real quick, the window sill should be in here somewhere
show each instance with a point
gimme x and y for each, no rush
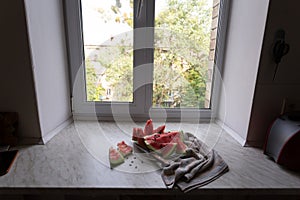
(66, 165)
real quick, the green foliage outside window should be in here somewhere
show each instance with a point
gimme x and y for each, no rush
(182, 37)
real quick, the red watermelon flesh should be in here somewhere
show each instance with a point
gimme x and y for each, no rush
(137, 133)
(124, 149)
(154, 139)
(148, 130)
(164, 137)
(138, 136)
(160, 129)
(164, 149)
(115, 157)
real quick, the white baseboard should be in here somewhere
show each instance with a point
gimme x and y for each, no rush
(55, 131)
(231, 132)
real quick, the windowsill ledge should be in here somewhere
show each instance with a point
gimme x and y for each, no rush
(67, 164)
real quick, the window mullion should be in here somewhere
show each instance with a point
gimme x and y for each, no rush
(143, 54)
(150, 13)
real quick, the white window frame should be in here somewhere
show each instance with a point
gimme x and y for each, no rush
(141, 107)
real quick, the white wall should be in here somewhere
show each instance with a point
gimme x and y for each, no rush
(16, 79)
(242, 55)
(49, 57)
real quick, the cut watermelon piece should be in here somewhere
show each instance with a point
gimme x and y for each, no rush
(137, 133)
(115, 157)
(163, 137)
(148, 130)
(138, 136)
(155, 146)
(124, 149)
(168, 150)
(164, 149)
(160, 129)
(161, 143)
(158, 140)
(181, 147)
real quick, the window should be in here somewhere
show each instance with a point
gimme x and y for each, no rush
(145, 58)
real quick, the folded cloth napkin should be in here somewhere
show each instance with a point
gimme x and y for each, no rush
(197, 167)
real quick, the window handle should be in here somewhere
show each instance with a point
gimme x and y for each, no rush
(139, 8)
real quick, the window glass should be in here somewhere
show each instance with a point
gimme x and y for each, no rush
(181, 58)
(108, 49)
(178, 46)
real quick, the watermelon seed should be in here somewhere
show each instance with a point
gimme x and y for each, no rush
(132, 161)
(134, 157)
(135, 167)
(130, 165)
(142, 161)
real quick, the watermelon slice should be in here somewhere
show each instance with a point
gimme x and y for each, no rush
(181, 147)
(115, 157)
(164, 149)
(137, 133)
(155, 146)
(160, 129)
(168, 150)
(138, 136)
(159, 141)
(124, 149)
(164, 137)
(148, 130)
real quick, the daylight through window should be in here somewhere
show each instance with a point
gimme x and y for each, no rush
(184, 34)
(136, 57)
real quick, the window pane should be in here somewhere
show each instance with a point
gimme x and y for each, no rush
(184, 41)
(108, 48)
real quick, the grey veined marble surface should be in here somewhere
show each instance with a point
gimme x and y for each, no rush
(78, 158)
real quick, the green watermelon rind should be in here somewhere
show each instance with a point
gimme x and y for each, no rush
(124, 154)
(114, 163)
(168, 153)
(181, 150)
(179, 139)
(182, 135)
(163, 151)
(181, 143)
(149, 146)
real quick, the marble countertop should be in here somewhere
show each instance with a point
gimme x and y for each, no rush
(78, 158)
